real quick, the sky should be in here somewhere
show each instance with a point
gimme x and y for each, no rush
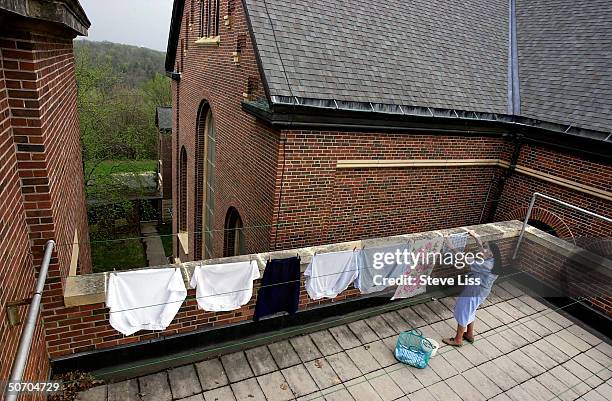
(142, 23)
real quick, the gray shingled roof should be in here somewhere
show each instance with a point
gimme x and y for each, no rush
(565, 61)
(163, 117)
(444, 54)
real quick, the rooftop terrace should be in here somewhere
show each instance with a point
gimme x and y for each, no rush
(524, 350)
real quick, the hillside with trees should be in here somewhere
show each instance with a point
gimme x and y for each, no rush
(119, 88)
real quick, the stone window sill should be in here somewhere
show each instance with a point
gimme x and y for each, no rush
(211, 41)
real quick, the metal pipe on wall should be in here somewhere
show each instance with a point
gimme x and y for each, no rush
(25, 342)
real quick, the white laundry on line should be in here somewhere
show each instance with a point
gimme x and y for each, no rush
(224, 287)
(144, 299)
(328, 274)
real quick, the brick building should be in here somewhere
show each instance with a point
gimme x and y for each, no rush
(41, 175)
(305, 123)
(163, 122)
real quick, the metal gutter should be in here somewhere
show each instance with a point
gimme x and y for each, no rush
(25, 342)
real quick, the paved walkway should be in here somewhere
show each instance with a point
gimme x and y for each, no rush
(155, 249)
(524, 351)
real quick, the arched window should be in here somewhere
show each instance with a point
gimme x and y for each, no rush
(205, 185)
(233, 240)
(182, 189)
(543, 226)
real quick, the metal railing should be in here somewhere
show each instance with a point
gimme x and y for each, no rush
(550, 198)
(25, 342)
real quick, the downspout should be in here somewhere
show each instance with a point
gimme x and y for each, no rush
(25, 342)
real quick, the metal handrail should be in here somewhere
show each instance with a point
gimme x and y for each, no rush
(25, 342)
(550, 198)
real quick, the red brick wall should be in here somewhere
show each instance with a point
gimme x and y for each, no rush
(17, 275)
(322, 204)
(246, 150)
(42, 195)
(566, 222)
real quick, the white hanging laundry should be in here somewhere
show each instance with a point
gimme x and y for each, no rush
(224, 287)
(424, 252)
(144, 299)
(458, 242)
(328, 274)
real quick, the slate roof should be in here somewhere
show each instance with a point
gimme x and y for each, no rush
(163, 118)
(565, 61)
(437, 54)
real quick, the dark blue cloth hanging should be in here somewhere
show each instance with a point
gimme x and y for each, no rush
(280, 288)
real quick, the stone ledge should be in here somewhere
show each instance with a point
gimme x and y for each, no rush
(91, 288)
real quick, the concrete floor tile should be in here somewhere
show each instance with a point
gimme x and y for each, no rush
(395, 321)
(363, 360)
(363, 332)
(380, 327)
(593, 366)
(512, 369)
(211, 374)
(599, 356)
(421, 395)
(411, 317)
(343, 366)
(361, 389)
(582, 373)
(339, 393)
(499, 314)
(440, 309)
(299, 380)
(558, 342)
(426, 376)
(442, 367)
(155, 387)
(184, 381)
(220, 394)
(605, 348)
(124, 391)
(236, 367)
(442, 392)
(196, 397)
(551, 351)
(545, 321)
(526, 363)
(472, 354)
(261, 360)
(525, 309)
(497, 376)
(384, 386)
(305, 348)
(322, 373)
(455, 358)
(284, 355)
(536, 327)
(584, 335)
(466, 391)
(248, 390)
(540, 357)
(381, 353)
(325, 342)
(574, 340)
(511, 310)
(537, 391)
(501, 397)
(518, 393)
(98, 393)
(561, 390)
(594, 395)
(533, 303)
(569, 379)
(489, 319)
(486, 348)
(426, 313)
(274, 387)
(482, 383)
(345, 337)
(403, 377)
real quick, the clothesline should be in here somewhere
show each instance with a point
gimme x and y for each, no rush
(256, 226)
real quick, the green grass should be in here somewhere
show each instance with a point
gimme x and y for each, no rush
(165, 231)
(120, 255)
(121, 166)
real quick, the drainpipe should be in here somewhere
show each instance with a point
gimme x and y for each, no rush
(25, 342)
